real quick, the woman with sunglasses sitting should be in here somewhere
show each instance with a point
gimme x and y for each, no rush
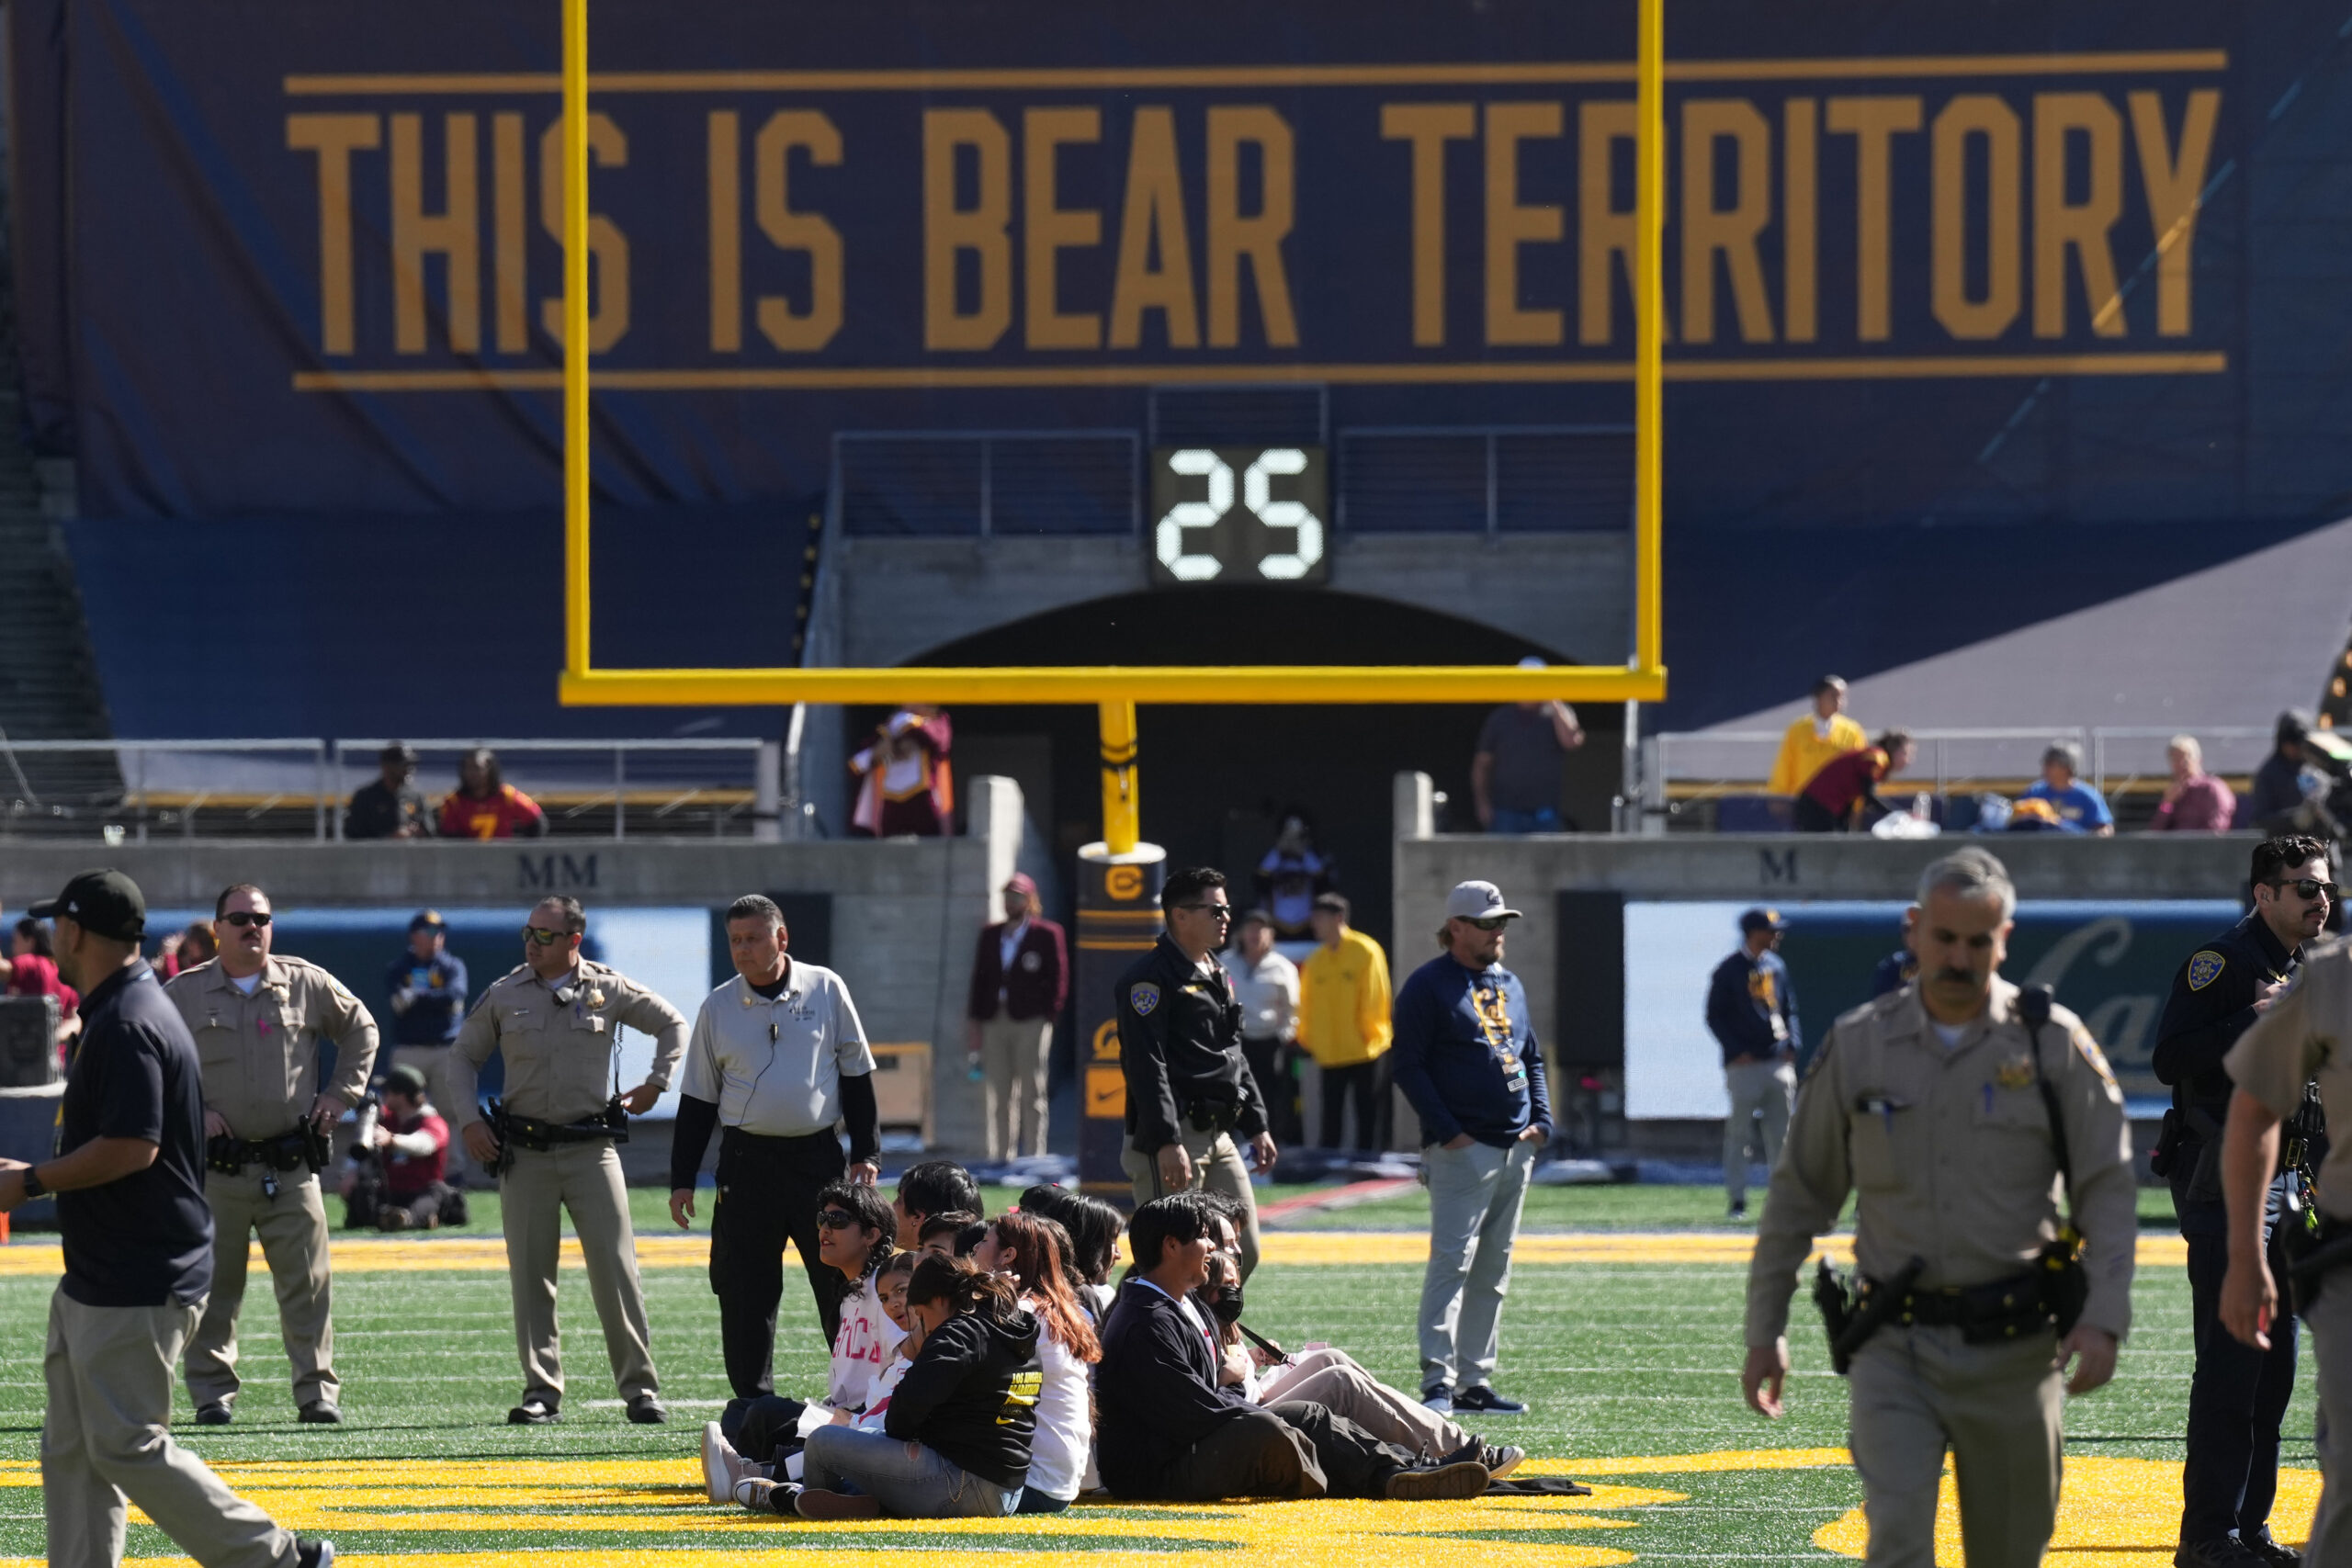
(854, 1232)
(955, 1442)
(1033, 1252)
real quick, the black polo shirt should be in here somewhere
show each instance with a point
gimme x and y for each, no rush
(144, 1240)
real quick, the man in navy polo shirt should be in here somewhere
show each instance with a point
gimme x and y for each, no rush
(138, 1244)
(1466, 1056)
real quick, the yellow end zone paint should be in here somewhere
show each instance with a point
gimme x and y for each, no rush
(2117, 1513)
(1303, 1248)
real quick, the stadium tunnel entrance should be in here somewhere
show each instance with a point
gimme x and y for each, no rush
(1217, 781)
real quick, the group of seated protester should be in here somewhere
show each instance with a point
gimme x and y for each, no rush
(986, 1368)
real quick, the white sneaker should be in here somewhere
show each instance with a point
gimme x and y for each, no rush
(722, 1466)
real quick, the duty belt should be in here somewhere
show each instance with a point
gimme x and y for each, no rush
(1212, 1115)
(300, 1148)
(2005, 1308)
(540, 1136)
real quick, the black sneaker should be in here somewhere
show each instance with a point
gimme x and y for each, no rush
(312, 1553)
(647, 1410)
(1438, 1397)
(1499, 1462)
(1487, 1401)
(320, 1413)
(216, 1413)
(2263, 1545)
(2227, 1552)
(534, 1412)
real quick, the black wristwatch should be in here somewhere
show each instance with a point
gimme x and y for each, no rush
(33, 1189)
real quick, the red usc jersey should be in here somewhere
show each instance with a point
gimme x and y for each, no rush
(462, 817)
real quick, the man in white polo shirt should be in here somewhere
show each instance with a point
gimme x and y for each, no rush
(777, 1058)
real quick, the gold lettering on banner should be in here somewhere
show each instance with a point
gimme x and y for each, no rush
(607, 246)
(2060, 225)
(1605, 232)
(798, 332)
(2174, 182)
(950, 232)
(1710, 229)
(1047, 228)
(510, 288)
(723, 178)
(1800, 220)
(334, 137)
(1152, 214)
(1257, 238)
(1510, 224)
(454, 233)
(1873, 123)
(1975, 115)
(1427, 128)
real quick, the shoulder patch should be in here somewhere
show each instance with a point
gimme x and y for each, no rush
(2091, 1054)
(1143, 996)
(1820, 1056)
(2205, 966)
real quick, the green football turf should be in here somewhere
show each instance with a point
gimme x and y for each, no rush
(1616, 1360)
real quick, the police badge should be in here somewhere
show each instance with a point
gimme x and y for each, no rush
(1143, 996)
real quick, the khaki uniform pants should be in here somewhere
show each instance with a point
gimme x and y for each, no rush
(1012, 1061)
(107, 1438)
(1918, 1392)
(1770, 1088)
(583, 1180)
(293, 1228)
(1217, 1167)
(2330, 1318)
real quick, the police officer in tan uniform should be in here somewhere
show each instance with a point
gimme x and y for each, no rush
(555, 1017)
(259, 1020)
(1926, 1102)
(2306, 1033)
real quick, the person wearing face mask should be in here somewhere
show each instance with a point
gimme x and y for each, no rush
(259, 1020)
(1959, 1109)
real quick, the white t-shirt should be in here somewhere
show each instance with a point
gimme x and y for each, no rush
(886, 1383)
(248, 984)
(1268, 992)
(860, 1348)
(1059, 1448)
(1948, 1034)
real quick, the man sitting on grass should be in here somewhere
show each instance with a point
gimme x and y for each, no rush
(931, 1187)
(1170, 1432)
(854, 1231)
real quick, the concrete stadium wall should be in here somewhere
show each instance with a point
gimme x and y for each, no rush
(906, 911)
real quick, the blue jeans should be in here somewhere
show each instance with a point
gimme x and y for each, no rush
(1509, 821)
(909, 1481)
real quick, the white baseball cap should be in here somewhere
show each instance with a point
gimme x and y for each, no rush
(1477, 901)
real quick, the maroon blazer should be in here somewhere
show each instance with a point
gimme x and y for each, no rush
(1039, 982)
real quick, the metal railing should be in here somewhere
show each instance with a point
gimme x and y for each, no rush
(130, 790)
(1714, 762)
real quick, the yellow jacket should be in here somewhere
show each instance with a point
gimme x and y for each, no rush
(1803, 751)
(1343, 1001)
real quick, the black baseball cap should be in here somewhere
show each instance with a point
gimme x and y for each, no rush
(426, 920)
(105, 903)
(1762, 920)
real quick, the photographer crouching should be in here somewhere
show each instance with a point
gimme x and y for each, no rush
(397, 1178)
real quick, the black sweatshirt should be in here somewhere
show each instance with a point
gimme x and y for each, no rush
(971, 1395)
(1156, 1391)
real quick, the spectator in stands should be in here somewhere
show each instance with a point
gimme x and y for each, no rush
(392, 807)
(1820, 737)
(1290, 876)
(2073, 801)
(907, 787)
(410, 1138)
(32, 972)
(427, 987)
(2195, 801)
(195, 943)
(1842, 795)
(1020, 980)
(1170, 1431)
(931, 1187)
(486, 806)
(1266, 984)
(1515, 772)
(1343, 1023)
(2276, 800)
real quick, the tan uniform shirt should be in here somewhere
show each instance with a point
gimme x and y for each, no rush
(2299, 1038)
(1951, 1152)
(560, 1054)
(260, 1054)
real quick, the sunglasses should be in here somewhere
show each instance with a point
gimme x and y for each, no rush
(2308, 887)
(1220, 912)
(835, 1220)
(545, 939)
(1489, 922)
(245, 917)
